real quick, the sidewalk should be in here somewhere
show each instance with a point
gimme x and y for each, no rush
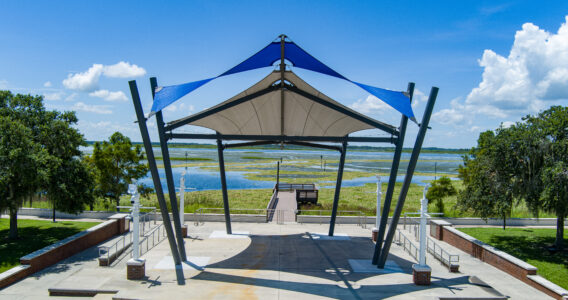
(269, 261)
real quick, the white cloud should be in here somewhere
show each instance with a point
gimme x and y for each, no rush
(47, 84)
(369, 105)
(123, 70)
(451, 116)
(88, 81)
(71, 97)
(109, 96)
(181, 108)
(102, 130)
(507, 124)
(534, 74)
(53, 96)
(97, 109)
(418, 98)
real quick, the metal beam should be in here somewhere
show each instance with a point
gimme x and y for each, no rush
(178, 123)
(379, 125)
(154, 171)
(259, 143)
(408, 177)
(224, 187)
(328, 147)
(169, 176)
(280, 138)
(337, 188)
(392, 181)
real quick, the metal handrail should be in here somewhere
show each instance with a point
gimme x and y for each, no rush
(107, 250)
(407, 244)
(295, 186)
(432, 247)
(156, 235)
(198, 214)
(442, 255)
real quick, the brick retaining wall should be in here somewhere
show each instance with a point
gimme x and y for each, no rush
(501, 260)
(65, 248)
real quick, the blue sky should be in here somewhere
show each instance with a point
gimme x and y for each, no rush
(493, 61)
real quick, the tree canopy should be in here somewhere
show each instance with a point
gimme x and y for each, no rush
(39, 152)
(440, 189)
(118, 162)
(525, 162)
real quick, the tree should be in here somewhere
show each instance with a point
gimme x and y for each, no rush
(526, 162)
(439, 190)
(69, 183)
(549, 132)
(117, 163)
(22, 165)
(43, 146)
(487, 178)
(70, 186)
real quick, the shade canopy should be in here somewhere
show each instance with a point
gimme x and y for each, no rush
(291, 109)
(166, 95)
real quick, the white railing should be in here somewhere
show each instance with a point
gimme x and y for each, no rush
(412, 225)
(442, 255)
(406, 243)
(112, 252)
(277, 215)
(153, 238)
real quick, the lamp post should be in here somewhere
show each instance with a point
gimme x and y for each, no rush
(379, 196)
(135, 201)
(421, 272)
(135, 267)
(423, 218)
(182, 197)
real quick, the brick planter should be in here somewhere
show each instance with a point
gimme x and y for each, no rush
(135, 269)
(421, 275)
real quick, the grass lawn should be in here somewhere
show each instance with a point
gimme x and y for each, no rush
(34, 235)
(528, 244)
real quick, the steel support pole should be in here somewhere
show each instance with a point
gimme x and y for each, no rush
(224, 187)
(154, 171)
(169, 175)
(337, 188)
(277, 174)
(408, 177)
(392, 181)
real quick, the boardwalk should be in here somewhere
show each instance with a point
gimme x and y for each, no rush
(286, 207)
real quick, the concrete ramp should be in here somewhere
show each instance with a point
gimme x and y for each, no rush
(286, 207)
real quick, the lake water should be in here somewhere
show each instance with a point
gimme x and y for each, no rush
(200, 179)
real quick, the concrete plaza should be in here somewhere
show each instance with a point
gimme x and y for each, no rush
(270, 261)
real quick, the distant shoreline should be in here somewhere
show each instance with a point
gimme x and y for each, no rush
(293, 147)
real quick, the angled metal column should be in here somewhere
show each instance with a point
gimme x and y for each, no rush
(154, 171)
(224, 186)
(169, 175)
(408, 176)
(337, 188)
(392, 180)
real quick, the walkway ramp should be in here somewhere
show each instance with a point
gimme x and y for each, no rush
(282, 207)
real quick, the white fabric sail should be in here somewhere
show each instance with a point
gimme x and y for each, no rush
(301, 115)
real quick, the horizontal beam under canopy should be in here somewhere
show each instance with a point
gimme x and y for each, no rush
(280, 138)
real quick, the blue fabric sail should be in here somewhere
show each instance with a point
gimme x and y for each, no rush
(266, 57)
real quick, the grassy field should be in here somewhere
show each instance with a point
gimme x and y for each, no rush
(34, 235)
(528, 244)
(360, 198)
